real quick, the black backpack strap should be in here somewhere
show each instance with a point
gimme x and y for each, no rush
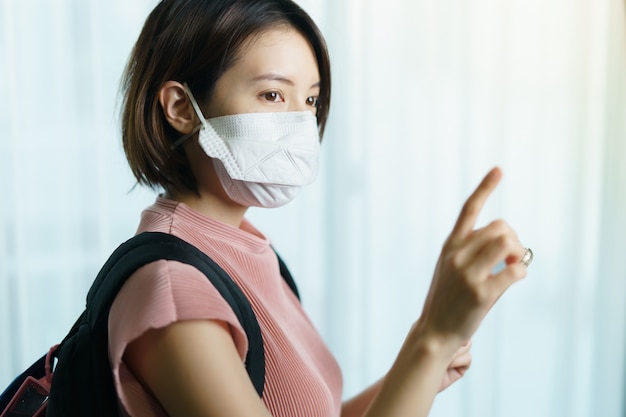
(284, 272)
(152, 246)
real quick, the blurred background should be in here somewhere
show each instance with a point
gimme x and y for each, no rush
(428, 95)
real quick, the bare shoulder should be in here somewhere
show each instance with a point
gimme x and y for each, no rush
(193, 368)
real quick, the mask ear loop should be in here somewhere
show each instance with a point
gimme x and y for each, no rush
(195, 130)
(184, 138)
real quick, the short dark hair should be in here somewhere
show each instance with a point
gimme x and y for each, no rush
(196, 41)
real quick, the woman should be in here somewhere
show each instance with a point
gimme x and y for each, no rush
(225, 103)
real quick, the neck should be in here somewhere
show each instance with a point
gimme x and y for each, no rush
(212, 206)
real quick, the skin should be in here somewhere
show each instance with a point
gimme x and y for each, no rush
(278, 72)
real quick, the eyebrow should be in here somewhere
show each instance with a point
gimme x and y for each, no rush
(277, 77)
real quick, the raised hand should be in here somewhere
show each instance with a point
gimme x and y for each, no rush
(464, 288)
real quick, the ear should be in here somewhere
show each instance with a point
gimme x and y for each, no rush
(177, 107)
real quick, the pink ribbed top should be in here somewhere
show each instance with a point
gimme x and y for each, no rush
(302, 377)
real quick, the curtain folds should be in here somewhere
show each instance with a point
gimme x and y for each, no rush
(427, 97)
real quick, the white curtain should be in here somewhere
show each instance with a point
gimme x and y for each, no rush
(427, 96)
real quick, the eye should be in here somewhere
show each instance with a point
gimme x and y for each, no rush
(312, 101)
(272, 97)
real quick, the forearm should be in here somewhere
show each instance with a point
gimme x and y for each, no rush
(358, 405)
(410, 386)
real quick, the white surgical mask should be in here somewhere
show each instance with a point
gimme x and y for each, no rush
(261, 159)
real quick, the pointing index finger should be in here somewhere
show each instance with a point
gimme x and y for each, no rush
(474, 204)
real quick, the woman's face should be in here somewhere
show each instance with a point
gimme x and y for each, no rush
(276, 71)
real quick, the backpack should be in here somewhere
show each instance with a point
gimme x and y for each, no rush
(81, 383)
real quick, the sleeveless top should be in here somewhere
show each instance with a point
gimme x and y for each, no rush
(302, 377)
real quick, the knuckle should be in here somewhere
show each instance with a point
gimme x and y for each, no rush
(502, 241)
(500, 226)
(456, 260)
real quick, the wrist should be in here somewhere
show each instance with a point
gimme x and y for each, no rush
(434, 345)
(415, 377)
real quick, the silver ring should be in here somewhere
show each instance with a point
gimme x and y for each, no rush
(527, 257)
